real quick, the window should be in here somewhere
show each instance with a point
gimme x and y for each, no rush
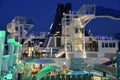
(106, 45)
(113, 45)
(103, 45)
(110, 45)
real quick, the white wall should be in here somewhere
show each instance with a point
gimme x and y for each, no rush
(107, 50)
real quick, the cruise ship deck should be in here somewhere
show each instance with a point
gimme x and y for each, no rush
(66, 53)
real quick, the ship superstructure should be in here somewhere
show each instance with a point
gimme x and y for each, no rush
(61, 52)
(74, 41)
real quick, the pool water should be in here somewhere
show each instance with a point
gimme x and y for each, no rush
(85, 72)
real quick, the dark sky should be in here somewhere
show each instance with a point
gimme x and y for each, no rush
(43, 11)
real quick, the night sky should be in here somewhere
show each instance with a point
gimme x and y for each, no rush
(43, 11)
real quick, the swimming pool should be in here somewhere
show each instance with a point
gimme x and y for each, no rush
(85, 72)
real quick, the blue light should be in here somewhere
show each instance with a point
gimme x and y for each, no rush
(42, 62)
(51, 26)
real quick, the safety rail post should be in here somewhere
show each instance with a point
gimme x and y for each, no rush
(16, 51)
(11, 42)
(5, 63)
(118, 63)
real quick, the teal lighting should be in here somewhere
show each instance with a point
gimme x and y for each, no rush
(9, 76)
(2, 39)
(14, 54)
(11, 50)
(20, 45)
(6, 56)
(2, 46)
(45, 71)
(2, 34)
(11, 40)
(17, 43)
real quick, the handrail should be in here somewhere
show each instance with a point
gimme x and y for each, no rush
(107, 69)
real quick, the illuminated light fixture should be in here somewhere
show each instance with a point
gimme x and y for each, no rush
(20, 61)
(57, 32)
(64, 63)
(17, 43)
(20, 45)
(63, 13)
(2, 34)
(51, 26)
(59, 24)
(48, 32)
(84, 55)
(9, 76)
(11, 40)
(6, 56)
(78, 19)
(82, 26)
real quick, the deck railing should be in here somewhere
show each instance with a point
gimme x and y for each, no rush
(107, 69)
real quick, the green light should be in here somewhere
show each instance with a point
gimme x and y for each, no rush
(14, 54)
(45, 71)
(20, 45)
(2, 46)
(17, 43)
(6, 56)
(9, 76)
(2, 34)
(11, 40)
(49, 67)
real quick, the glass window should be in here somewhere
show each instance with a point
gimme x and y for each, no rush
(113, 45)
(103, 45)
(106, 45)
(110, 45)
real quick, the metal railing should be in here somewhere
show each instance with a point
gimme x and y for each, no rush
(108, 69)
(87, 9)
(67, 77)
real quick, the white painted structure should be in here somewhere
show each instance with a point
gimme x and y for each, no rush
(76, 45)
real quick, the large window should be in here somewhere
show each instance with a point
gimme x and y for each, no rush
(108, 45)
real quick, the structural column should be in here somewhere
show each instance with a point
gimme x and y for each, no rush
(5, 63)
(20, 51)
(16, 52)
(2, 39)
(11, 43)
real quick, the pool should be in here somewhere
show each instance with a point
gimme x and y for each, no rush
(85, 72)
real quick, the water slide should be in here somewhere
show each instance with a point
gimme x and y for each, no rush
(110, 62)
(101, 11)
(45, 70)
(60, 53)
(29, 38)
